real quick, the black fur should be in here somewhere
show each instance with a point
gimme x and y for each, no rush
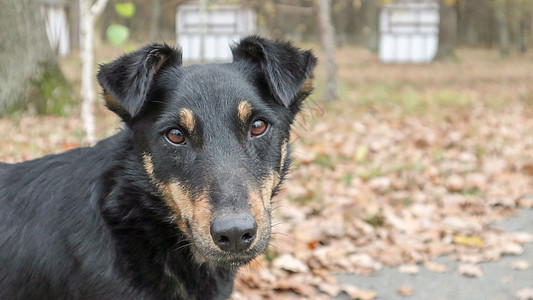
(97, 223)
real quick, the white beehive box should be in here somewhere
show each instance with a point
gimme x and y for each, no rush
(409, 31)
(225, 24)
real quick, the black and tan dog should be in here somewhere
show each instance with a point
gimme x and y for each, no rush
(171, 206)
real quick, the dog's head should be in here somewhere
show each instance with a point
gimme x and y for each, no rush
(213, 138)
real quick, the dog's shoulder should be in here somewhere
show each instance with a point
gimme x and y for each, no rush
(51, 228)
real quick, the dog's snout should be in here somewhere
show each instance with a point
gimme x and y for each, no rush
(234, 234)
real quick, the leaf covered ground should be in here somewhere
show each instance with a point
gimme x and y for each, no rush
(413, 162)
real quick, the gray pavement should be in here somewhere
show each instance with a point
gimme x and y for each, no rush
(499, 281)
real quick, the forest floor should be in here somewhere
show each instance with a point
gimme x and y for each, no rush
(408, 171)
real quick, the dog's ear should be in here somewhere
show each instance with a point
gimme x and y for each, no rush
(288, 71)
(127, 80)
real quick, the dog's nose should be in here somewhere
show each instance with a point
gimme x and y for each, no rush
(234, 234)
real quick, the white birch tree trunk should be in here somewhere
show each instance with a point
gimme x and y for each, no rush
(88, 15)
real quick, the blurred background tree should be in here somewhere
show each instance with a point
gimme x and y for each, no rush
(89, 12)
(327, 41)
(447, 29)
(30, 76)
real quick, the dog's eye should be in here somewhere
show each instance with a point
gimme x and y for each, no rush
(175, 136)
(259, 127)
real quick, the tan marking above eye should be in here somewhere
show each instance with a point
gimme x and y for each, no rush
(201, 214)
(244, 110)
(187, 119)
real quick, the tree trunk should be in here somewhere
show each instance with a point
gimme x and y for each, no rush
(155, 21)
(327, 41)
(503, 26)
(372, 23)
(30, 77)
(520, 44)
(447, 31)
(88, 15)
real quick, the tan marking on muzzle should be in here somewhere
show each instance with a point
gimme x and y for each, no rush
(260, 201)
(187, 119)
(244, 110)
(258, 210)
(172, 193)
(269, 183)
(201, 214)
(180, 197)
(197, 212)
(257, 205)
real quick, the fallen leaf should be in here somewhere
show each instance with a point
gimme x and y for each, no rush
(357, 293)
(392, 256)
(435, 267)
(364, 260)
(360, 153)
(455, 183)
(525, 294)
(422, 143)
(405, 290)
(522, 237)
(494, 165)
(470, 270)
(520, 265)
(408, 269)
(380, 184)
(526, 201)
(331, 289)
(472, 241)
(512, 248)
(528, 168)
(290, 263)
(457, 223)
(297, 287)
